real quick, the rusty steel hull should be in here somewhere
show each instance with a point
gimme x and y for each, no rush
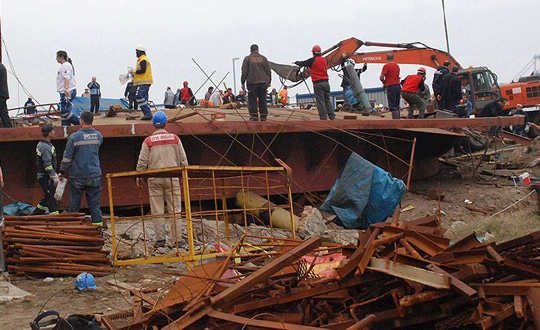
(315, 157)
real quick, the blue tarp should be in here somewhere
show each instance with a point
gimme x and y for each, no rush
(363, 194)
(19, 208)
(81, 104)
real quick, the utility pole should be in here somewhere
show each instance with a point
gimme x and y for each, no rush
(445, 28)
(234, 73)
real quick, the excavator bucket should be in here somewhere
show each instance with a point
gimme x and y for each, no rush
(292, 73)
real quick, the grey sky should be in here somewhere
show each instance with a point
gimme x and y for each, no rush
(100, 36)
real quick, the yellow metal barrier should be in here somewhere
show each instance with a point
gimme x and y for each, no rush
(212, 184)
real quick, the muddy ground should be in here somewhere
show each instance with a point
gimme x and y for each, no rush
(455, 183)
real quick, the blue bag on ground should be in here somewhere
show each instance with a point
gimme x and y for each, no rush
(19, 209)
(363, 194)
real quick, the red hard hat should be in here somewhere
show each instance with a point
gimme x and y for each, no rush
(422, 70)
(185, 82)
(316, 49)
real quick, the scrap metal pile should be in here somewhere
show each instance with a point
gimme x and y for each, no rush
(402, 275)
(54, 245)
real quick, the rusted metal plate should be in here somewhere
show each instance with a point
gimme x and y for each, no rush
(418, 275)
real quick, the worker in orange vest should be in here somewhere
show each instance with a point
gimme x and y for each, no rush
(282, 95)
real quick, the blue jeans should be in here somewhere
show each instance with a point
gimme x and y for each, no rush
(66, 109)
(142, 99)
(92, 187)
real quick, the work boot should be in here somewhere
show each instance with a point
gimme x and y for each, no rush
(253, 119)
(146, 118)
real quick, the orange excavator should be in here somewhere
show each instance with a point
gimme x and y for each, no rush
(479, 82)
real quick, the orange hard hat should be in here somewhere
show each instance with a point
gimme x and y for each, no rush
(316, 49)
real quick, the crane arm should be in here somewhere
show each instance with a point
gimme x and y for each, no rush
(421, 56)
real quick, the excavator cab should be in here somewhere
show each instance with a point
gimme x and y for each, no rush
(480, 84)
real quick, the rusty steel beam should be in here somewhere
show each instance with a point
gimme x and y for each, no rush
(266, 271)
(358, 257)
(523, 240)
(306, 293)
(533, 297)
(410, 273)
(246, 321)
(457, 284)
(363, 323)
(524, 141)
(245, 127)
(508, 289)
(465, 244)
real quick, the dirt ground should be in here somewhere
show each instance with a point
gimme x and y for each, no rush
(455, 183)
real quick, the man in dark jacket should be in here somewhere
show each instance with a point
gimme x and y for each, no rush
(494, 109)
(29, 107)
(522, 130)
(95, 95)
(437, 79)
(451, 90)
(46, 172)
(4, 96)
(131, 94)
(257, 75)
(321, 87)
(81, 160)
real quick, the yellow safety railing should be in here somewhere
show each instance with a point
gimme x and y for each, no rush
(212, 185)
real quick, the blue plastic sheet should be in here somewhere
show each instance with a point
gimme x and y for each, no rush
(363, 194)
(18, 208)
(81, 104)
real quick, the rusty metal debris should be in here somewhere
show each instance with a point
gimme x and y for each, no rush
(401, 275)
(54, 245)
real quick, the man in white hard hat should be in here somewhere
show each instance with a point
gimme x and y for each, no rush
(142, 78)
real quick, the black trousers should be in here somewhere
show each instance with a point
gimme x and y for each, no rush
(4, 114)
(257, 91)
(132, 102)
(94, 103)
(48, 202)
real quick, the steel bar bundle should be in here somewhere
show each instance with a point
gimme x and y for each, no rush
(54, 245)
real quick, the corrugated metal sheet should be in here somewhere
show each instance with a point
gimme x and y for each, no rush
(375, 96)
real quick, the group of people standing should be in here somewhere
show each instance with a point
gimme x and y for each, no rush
(182, 96)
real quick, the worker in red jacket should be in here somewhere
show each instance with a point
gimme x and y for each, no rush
(186, 95)
(321, 87)
(410, 86)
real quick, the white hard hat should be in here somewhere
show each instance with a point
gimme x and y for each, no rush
(141, 48)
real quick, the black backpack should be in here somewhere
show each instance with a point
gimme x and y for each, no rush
(73, 322)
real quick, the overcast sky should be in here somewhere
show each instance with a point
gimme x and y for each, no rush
(100, 36)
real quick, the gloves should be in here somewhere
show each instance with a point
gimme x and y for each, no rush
(526, 128)
(55, 180)
(59, 192)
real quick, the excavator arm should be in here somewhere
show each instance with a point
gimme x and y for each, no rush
(404, 53)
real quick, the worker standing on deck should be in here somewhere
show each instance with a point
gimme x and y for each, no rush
(66, 86)
(346, 81)
(4, 96)
(161, 150)
(451, 90)
(168, 100)
(321, 87)
(436, 84)
(2, 266)
(390, 79)
(411, 85)
(494, 109)
(142, 79)
(522, 130)
(81, 160)
(29, 107)
(95, 95)
(186, 95)
(131, 94)
(46, 172)
(257, 75)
